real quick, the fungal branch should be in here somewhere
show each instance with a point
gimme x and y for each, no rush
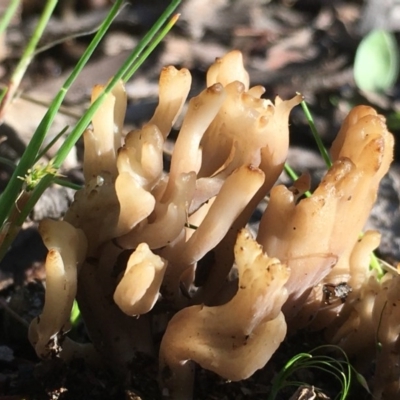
(127, 252)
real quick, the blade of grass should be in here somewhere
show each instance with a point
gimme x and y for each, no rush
(133, 62)
(281, 380)
(316, 135)
(157, 39)
(7, 16)
(294, 176)
(66, 183)
(4, 22)
(129, 67)
(376, 265)
(51, 144)
(14, 187)
(27, 56)
(341, 369)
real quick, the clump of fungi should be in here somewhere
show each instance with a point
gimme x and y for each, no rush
(131, 245)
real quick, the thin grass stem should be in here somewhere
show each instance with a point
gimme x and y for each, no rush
(152, 45)
(7, 16)
(27, 56)
(342, 370)
(66, 183)
(132, 63)
(14, 187)
(316, 135)
(289, 170)
(4, 22)
(376, 265)
(51, 144)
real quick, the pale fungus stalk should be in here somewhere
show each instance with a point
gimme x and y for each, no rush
(67, 248)
(174, 88)
(140, 245)
(309, 235)
(235, 339)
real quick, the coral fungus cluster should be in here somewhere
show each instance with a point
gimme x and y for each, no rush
(144, 249)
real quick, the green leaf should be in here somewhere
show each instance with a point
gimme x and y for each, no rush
(362, 381)
(75, 314)
(376, 64)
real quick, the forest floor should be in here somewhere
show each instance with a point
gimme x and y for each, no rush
(289, 46)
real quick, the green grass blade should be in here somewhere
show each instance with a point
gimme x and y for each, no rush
(14, 186)
(131, 64)
(67, 184)
(7, 16)
(27, 55)
(157, 39)
(4, 22)
(376, 265)
(289, 170)
(51, 144)
(316, 135)
(362, 381)
(3, 94)
(342, 370)
(281, 380)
